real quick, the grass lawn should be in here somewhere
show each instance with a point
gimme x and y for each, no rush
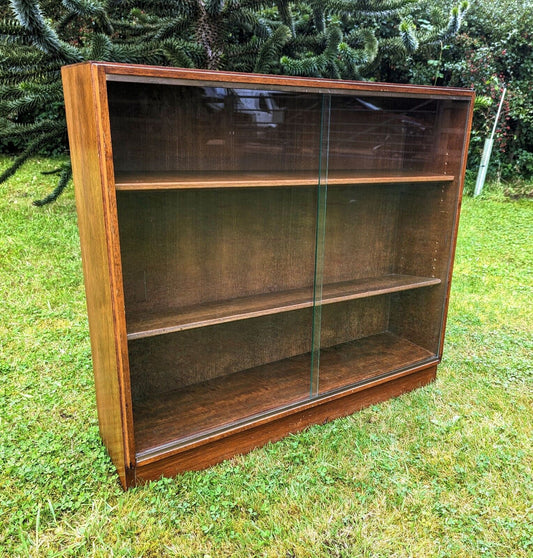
(445, 471)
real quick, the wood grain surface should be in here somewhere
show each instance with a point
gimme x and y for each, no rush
(213, 313)
(184, 180)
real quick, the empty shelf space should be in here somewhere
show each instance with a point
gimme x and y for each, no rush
(171, 419)
(226, 179)
(213, 313)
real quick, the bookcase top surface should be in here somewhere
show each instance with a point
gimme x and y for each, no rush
(163, 74)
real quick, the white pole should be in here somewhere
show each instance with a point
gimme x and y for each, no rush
(487, 150)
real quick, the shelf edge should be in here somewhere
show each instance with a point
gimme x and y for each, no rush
(152, 332)
(148, 185)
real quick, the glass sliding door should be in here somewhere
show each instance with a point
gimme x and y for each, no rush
(385, 267)
(219, 192)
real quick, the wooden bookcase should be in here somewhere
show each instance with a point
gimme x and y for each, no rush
(261, 253)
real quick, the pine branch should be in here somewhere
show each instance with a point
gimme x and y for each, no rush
(408, 36)
(172, 28)
(244, 55)
(351, 60)
(138, 54)
(101, 47)
(214, 7)
(161, 8)
(31, 149)
(249, 21)
(183, 54)
(456, 17)
(252, 4)
(319, 18)
(30, 101)
(285, 14)
(64, 22)
(312, 66)
(40, 33)
(66, 175)
(131, 32)
(43, 127)
(269, 53)
(367, 7)
(314, 43)
(14, 74)
(85, 8)
(10, 93)
(89, 9)
(333, 39)
(438, 36)
(10, 28)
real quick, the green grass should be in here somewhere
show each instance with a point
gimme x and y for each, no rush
(445, 471)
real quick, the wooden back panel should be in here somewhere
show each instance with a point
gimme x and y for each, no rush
(206, 128)
(185, 128)
(251, 241)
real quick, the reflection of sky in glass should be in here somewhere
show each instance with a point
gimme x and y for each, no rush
(216, 129)
(260, 106)
(380, 135)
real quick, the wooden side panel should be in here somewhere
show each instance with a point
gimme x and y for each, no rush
(97, 224)
(424, 241)
(462, 123)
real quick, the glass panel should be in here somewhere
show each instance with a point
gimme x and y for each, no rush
(387, 247)
(426, 221)
(217, 199)
(381, 136)
(320, 242)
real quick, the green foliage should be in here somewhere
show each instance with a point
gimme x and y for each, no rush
(371, 38)
(493, 50)
(425, 33)
(41, 34)
(407, 33)
(268, 55)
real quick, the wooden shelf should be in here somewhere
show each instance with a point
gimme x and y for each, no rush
(225, 179)
(270, 303)
(174, 418)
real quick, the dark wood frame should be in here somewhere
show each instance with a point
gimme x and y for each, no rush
(140, 442)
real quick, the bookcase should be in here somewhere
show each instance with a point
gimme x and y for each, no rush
(261, 253)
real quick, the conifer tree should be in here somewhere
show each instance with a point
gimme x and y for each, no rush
(349, 39)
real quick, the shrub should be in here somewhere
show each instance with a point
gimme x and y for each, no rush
(496, 50)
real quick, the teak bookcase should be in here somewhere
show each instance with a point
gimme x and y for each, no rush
(261, 253)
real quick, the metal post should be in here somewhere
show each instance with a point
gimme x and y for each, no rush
(487, 150)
